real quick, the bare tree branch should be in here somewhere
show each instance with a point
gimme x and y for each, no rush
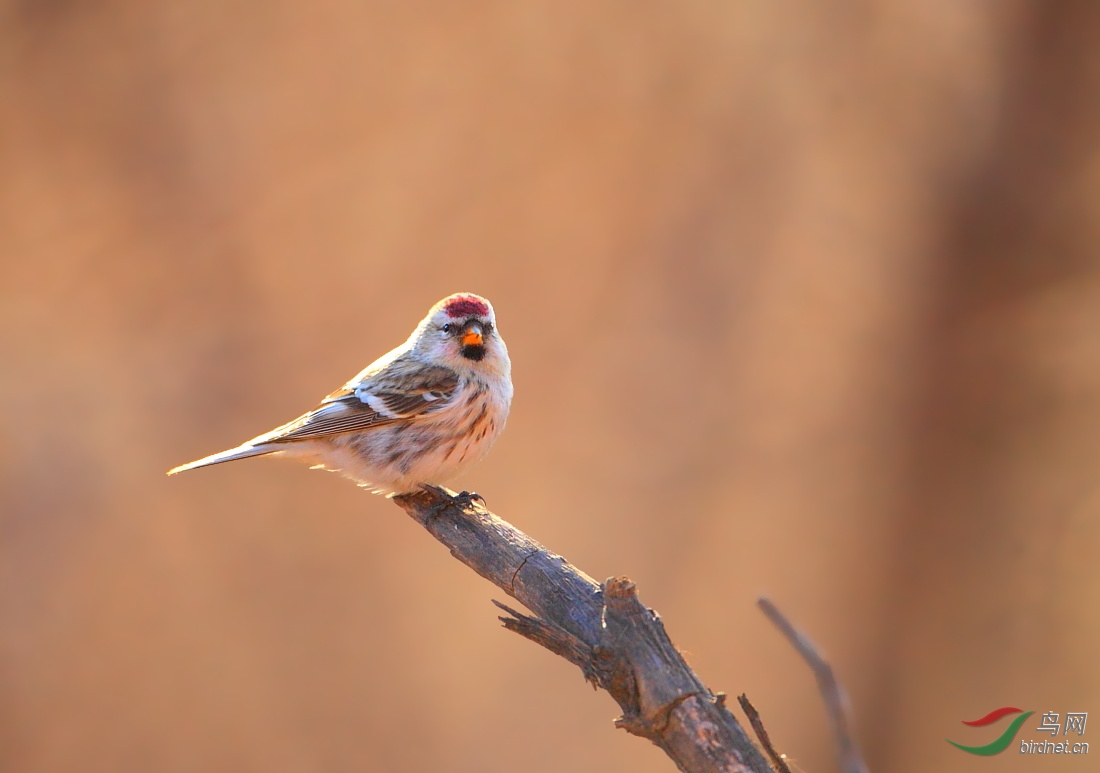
(851, 761)
(618, 643)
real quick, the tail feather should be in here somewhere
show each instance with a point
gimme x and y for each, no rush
(240, 452)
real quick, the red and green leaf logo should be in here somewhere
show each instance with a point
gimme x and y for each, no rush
(998, 746)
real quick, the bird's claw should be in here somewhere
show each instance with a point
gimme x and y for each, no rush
(463, 499)
(468, 497)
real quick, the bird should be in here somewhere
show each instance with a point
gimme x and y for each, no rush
(415, 417)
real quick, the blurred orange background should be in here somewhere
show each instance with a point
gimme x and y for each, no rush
(802, 301)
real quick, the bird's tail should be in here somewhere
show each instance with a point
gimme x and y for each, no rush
(240, 452)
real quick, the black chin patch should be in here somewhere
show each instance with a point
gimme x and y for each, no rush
(475, 353)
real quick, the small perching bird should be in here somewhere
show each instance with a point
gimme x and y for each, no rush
(418, 415)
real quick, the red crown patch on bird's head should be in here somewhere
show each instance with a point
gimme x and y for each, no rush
(466, 306)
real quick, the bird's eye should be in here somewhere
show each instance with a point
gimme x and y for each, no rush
(447, 328)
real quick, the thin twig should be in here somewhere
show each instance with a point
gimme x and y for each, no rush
(851, 761)
(761, 733)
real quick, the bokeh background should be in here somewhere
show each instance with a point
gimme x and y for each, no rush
(803, 300)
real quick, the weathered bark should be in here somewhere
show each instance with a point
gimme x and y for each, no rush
(617, 642)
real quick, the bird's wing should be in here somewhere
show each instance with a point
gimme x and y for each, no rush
(401, 392)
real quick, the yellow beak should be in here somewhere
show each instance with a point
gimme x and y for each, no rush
(472, 336)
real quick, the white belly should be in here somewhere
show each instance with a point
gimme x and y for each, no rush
(397, 458)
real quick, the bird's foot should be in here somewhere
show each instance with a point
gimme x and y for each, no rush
(463, 499)
(469, 497)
